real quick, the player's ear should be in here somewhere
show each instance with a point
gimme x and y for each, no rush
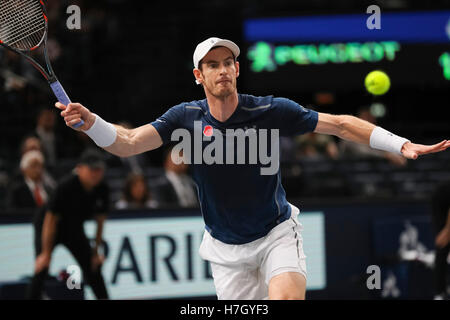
(198, 75)
(237, 68)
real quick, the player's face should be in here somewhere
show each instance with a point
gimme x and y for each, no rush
(219, 72)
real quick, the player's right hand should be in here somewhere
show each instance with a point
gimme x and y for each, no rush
(73, 113)
(42, 262)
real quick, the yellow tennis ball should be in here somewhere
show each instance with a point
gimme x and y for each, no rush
(377, 82)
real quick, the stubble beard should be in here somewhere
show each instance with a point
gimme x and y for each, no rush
(222, 93)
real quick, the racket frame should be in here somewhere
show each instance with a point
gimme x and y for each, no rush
(48, 74)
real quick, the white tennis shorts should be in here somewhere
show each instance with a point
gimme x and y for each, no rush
(243, 272)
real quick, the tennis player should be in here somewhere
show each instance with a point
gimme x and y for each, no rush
(252, 239)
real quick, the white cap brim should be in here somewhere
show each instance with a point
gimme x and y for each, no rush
(204, 47)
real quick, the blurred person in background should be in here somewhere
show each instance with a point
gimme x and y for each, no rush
(30, 191)
(176, 187)
(45, 131)
(364, 151)
(315, 146)
(441, 228)
(80, 196)
(18, 76)
(14, 89)
(13, 71)
(136, 194)
(30, 143)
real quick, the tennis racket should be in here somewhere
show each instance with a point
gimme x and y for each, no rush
(23, 29)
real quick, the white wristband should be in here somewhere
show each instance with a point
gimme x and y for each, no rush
(384, 140)
(103, 133)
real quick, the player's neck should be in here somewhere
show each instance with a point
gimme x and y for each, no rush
(222, 108)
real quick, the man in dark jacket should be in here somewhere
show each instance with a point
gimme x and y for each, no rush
(79, 196)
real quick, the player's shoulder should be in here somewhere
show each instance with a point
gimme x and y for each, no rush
(283, 105)
(192, 106)
(251, 103)
(265, 103)
(283, 102)
(190, 109)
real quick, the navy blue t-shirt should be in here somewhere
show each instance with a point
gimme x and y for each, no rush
(239, 204)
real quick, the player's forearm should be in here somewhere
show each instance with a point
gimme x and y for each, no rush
(354, 129)
(360, 131)
(113, 138)
(49, 232)
(123, 142)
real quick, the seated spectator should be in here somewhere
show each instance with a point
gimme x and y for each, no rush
(30, 143)
(136, 194)
(176, 187)
(316, 146)
(12, 71)
(31, 191)
(45, 131)
(33, 143)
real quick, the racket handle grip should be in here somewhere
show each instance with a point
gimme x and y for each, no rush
(62, 97)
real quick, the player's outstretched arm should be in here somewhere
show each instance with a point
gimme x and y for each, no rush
(115, 139)
(357, 130)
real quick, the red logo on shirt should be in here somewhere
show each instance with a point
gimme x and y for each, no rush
(208, 131)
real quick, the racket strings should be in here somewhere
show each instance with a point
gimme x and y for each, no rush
(17, 28)
(30, 38)
(22, 24)
(18, 31)
(13, 7)
(18, 36)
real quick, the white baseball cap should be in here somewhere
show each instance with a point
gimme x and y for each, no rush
(204, 47)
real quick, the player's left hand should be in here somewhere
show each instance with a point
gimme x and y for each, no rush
(413, 151)
(97, 261)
